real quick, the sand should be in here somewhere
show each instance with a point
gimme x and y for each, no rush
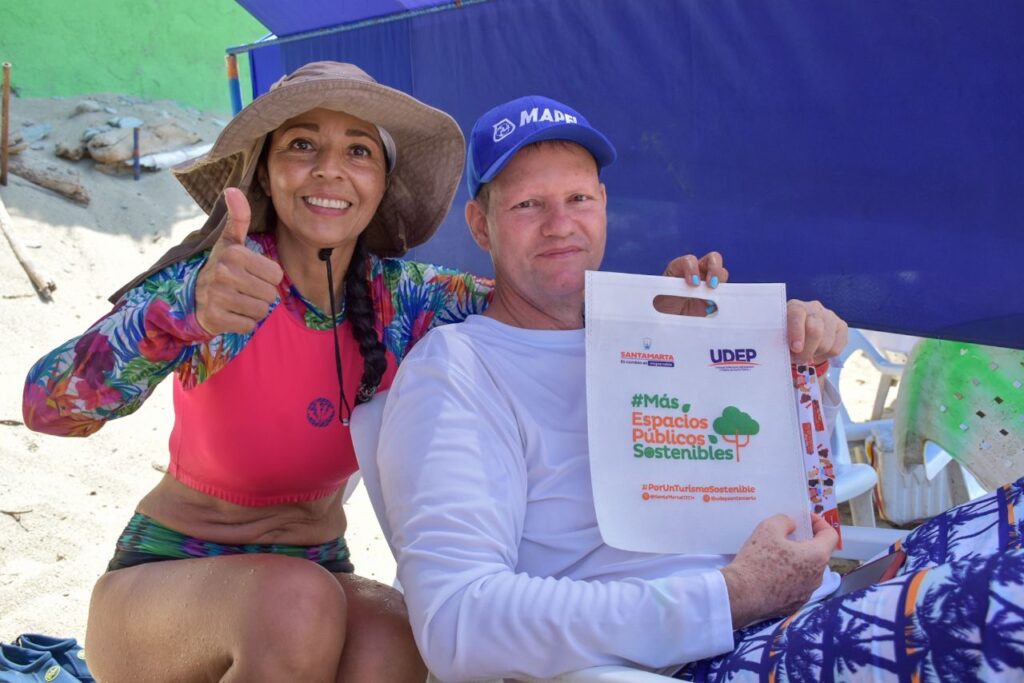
(64, 501)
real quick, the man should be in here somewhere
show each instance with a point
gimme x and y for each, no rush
(485, 475)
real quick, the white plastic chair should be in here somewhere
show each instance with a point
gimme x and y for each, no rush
(365, 429)
(350, 486)
(606, 674)
(890, 372)
(875, 346)
(856, 482)
(864, 543)
(911, 485)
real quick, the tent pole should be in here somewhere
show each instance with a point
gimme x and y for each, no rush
(4, 142)
(234, 87)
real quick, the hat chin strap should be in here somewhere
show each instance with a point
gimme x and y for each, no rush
(344, 409)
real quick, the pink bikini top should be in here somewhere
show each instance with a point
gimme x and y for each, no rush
(264, 429)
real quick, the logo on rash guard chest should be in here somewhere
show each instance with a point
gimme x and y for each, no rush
(320, 412)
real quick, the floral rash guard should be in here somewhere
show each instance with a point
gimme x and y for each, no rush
(152, 331)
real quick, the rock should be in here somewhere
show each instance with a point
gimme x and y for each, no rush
(86, 106)
(116, 145)
(20, 140)
(110, 110)
(90, 133)
(126, 122)
(38, 146)
(72, 152)
(16, 144)
(36, 131)
(114, 169)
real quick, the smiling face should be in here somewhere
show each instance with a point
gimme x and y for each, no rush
(544, 225)
(325, 174)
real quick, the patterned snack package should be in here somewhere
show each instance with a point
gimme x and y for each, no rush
(692, 426)
(821, 475)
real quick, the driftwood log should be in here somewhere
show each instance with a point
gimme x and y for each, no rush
(162, 160)
(64, 181)
(43, 284)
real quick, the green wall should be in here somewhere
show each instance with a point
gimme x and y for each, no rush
(154, 49)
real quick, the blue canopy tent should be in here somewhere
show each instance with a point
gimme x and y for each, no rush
(867, 154)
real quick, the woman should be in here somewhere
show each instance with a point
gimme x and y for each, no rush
(276, 318)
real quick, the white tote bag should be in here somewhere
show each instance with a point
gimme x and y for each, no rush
(692, 423)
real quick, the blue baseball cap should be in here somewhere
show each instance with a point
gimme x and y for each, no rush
(504, 130)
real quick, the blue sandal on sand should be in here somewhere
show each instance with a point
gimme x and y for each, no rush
(18, 665)
(66, 651)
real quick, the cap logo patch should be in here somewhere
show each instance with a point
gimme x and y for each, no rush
(535, 115)
(502, 129)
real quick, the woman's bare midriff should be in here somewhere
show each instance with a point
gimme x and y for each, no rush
(192, 513)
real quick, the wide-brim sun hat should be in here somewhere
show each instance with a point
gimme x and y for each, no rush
(421, 186)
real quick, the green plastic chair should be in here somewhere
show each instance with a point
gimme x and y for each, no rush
(969, 400)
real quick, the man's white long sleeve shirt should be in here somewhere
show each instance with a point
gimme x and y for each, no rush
(486, 482)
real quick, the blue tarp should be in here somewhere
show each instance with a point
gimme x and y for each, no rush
(868, 154)
(289, 18)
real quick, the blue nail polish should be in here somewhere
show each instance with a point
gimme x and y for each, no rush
(714, 281)
(711, 308)
(695, 280)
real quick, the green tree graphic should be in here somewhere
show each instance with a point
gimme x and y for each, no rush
(733, 424)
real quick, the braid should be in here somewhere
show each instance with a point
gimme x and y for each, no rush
(360, 313)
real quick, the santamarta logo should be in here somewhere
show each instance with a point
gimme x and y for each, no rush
(732, 360)
(645, 357)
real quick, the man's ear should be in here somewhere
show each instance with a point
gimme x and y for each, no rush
(476, 219)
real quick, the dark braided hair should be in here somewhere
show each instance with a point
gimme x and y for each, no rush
(360, 313)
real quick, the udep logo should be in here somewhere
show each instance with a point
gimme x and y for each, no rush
(502, 129)
(733, 359)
